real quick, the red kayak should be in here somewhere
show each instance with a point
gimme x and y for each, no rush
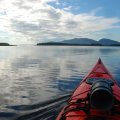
(96, 98)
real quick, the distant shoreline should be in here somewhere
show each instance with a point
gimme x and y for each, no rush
(82, 42)
(75, 45)
(6, 44)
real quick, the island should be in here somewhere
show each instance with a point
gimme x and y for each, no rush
(6, 44)
(82, 42)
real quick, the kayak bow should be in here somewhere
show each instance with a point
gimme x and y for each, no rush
(96, 98)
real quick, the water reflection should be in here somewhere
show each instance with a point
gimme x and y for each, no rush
(34, 74)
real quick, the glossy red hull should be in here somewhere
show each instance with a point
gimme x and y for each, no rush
(81, 93)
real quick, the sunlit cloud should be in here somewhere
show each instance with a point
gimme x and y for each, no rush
(32, 21)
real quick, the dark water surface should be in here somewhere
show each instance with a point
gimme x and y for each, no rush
(36, 81)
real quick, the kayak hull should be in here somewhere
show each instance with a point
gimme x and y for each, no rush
(69, 113)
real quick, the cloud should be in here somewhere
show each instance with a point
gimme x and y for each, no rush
(67, 8)
(58, 3)
(94, 11)
(32, 21)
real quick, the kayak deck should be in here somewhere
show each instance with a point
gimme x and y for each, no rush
(78, 107)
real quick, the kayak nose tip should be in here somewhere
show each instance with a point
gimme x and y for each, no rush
(99, 60)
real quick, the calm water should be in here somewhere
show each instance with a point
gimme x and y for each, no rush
(36, 81)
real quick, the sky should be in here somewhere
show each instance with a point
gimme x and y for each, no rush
(34, 21)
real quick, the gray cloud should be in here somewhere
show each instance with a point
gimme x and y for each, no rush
(21, 4)
(22, 26)
(71, 24)
(52, 13)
